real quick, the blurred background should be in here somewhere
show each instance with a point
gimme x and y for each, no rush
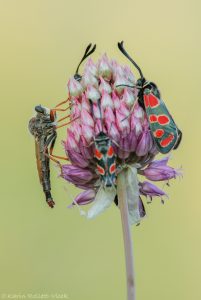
(58, 251)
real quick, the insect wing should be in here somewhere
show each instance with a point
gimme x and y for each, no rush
(105, 163)
(38, 160)
(111, 163)
(163, 128)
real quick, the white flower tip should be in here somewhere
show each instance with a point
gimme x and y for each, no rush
(82, 212)
(103, 199)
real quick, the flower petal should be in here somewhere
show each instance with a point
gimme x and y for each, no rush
(151, 190)
(104, 198)
(143, 144)
(92, 93)
(76, 174)
(160, 173)
(91, 67)
(77, 159)
(75, 88)
(84, 198)
(104, 68)
(159, 163)
(89, 79)
(106, 100)
(104, 86)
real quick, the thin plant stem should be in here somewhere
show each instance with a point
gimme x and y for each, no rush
(128, 247)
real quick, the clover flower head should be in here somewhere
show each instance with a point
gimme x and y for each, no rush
(104, 104)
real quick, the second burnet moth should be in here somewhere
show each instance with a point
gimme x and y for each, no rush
(165, 132)
(105, 157)
(104, 153)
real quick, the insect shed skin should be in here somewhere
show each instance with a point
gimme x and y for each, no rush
(44, 131)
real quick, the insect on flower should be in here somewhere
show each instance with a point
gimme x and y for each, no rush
(43, 127)
(165, 132)
(104, 154)
(105, 159)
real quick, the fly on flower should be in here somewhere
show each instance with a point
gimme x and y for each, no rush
(165, 132)
(43, 127)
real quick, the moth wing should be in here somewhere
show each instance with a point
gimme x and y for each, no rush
(38, 160)
(163, 128)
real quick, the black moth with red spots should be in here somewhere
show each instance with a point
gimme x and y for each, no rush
(105, 159)
(165, 132)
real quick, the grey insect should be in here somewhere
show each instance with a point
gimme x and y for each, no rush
(43, 127)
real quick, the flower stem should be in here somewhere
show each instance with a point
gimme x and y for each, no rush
(128, 248)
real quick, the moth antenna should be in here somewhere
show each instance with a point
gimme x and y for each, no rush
(121, 48)
(130, 86)
(101, 117)
(86, 54)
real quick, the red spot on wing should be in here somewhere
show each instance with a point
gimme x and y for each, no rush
(110, 151)
(146, 100)
(112, 168)
(153, 101)
(98, 154)
(100, 170)
(159, 133)
(165, 142)
(163, 119)
(153, 118)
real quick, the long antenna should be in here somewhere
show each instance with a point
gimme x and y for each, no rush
(101, 116)
(86, 54)
(121, 48)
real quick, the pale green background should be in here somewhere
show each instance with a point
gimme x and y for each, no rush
(57, 251)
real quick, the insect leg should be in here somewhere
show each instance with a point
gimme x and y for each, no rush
(63, 102)
(132, 108)
(63, 118)
(61, 109)
(51, 142)
(51, 155)
(67, 123)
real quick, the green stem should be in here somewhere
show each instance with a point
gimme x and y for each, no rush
(121, 192)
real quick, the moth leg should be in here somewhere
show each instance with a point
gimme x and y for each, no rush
(130, 110)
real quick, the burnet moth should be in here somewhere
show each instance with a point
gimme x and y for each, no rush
(104, 153)
(165, 132)
(105, 157)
